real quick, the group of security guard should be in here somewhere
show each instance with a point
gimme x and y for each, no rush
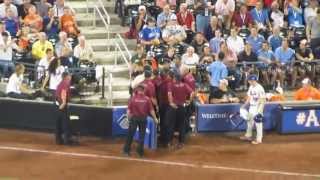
(169, 93)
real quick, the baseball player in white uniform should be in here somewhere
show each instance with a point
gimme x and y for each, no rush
(256, 100)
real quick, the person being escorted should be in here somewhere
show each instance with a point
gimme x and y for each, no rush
(62, 97)
(178, 92)
(256, 100)
(139, 107)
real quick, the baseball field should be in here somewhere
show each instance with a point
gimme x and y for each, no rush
(27, 155)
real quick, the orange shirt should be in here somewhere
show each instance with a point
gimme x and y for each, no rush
(277, 98)
(307, 93)
(251, 2)
(68, 24)
(34, 21)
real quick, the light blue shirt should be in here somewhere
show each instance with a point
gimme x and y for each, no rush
(275, 42)
(284, 57)
(295, 17)
(162, 17)
(214, 44)
(260, 16)
(265, 55)
(217, 71)
(255, 42)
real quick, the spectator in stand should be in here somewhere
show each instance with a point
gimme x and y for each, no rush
(7, 4)
(203, 13)
(294, 13)
(53, 76)
(190, 58)
(16, 88)
(24, 38)
(64, 50)
(215, 43)
(218, 71)
(59, 8)
(242, 18)
(185, 18)
(304, 56)
(11, 23)
(170, 53)
(277, 16)
(224, 94)
(284, 58)
(138, 22)
(23, 9)
(83, 52)
(303, 53)
(44, 64)
(255, 39)
(33, 20)
(39, 48)
(206, 57)
(225, 8)
(68, 23)
(164, 17)
(235, 42)
(161, 3)
(275, 39)
(231, 60)
(213, 26)
(313, 31)
(247, 55)
(198, 43)
(307, 92)
(137, 60)
(311, 10)
(267, 59)
(173, 33)
(150, 34)
(6, 53)
(51, 24)
(261, 17)
(43, 7)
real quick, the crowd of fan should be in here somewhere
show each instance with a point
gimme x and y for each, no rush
(279, 40)
(42, 35)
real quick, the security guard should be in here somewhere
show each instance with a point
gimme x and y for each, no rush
(62, 96)
(139, 107)
(178, 92)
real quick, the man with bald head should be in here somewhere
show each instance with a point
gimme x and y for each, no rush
(40, 47)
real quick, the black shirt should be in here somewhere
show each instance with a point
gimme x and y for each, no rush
(244, 57)
(304, 53)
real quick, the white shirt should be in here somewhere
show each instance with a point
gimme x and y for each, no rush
(255, 93)
(6, 50)
(235, 44)
(56, 78)
(224, 9)
(3, 10)
(278, 18)
(309, 13)
(42, 67)
(14, 83)
(85, 53)
(190, 61)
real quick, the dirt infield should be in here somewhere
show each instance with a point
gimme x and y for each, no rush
(28, 155)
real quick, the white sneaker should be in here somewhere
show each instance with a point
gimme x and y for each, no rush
(255, 142)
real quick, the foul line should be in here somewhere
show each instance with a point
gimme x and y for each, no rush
(171, 163)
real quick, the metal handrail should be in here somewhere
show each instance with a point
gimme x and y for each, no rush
(106, 24)
(124, 58)
(124, 45)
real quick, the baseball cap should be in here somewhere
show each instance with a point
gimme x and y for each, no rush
(253, 77)
(142, 7)
(306, 81)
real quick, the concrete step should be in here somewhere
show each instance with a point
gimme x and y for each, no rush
(120, 84)
(84, 19)
(81, 6)
(101, 32)
(102, 44)
(108, 58)
(118, 71)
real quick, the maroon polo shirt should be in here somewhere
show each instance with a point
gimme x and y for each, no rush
(140, 105)
(180, 92)
(156, 81)
(64, 85)
(190, 81)
(163, 90)
(149, 88)
(242, 21)
(185, 20)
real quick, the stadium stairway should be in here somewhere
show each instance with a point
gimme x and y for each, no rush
(96, 37)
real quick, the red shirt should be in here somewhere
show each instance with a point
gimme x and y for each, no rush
(64, 85)
(163, 91)
(180, 91)
(140, 105)
(149, 88)
(190, 81)
(242, 21)
(187, 20)
(268, 3)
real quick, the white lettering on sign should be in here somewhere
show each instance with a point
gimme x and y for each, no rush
(213, 116)
(310, 120)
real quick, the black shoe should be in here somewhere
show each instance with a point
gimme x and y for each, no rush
(126, 153)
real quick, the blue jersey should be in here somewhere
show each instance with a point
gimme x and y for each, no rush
(150, 33)
(255, 42)
(284, 57)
